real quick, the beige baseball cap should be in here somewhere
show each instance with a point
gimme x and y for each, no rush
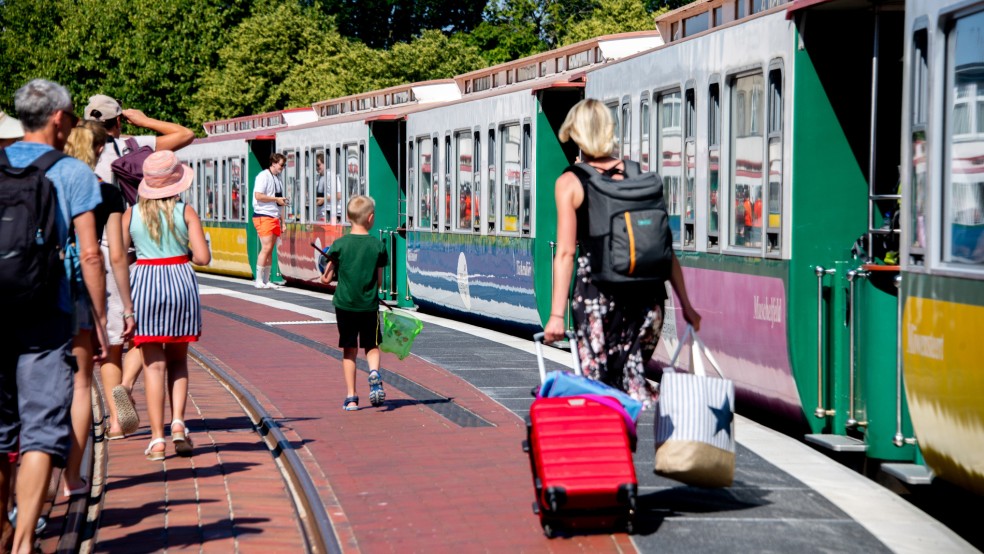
(102, 108)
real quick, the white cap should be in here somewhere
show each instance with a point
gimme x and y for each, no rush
(10, 128)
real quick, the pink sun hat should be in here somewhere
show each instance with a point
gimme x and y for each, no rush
(164, 176)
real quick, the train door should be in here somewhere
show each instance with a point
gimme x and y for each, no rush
(846, 187)
(549, 159)
(258, 159)
(387, 171)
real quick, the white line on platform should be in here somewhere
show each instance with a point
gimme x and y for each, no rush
(900, 525)
(306, 322)
(553, 354)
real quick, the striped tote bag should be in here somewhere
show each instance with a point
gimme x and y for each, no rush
(695, 433)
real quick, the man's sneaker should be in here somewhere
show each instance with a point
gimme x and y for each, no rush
(258, 285)
(376, 393)
(272, 285)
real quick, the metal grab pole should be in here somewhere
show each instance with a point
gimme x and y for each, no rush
(853, 328)
(899, 440)
(820, 412)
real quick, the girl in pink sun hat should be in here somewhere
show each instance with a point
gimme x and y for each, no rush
(162, 228)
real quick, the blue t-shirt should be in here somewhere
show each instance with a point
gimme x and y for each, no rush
(76, 187)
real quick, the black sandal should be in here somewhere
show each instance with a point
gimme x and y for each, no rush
(350, 400)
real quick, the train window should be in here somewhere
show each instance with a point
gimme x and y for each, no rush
(340, 206)
(493, 191)
(199, 186)
(511, 177)
(644, 134)
(773, 225)
(617, 150)
(224, 192)
(747, 147)
(917, 146)
(352, 171)
(527, 178)
(315, 186)
(236, 190)
(447, 182)
(668, 161)
(435, 184)
(210, 190)
(477, 183)
(626, 130)
(690, 169)
(426, 182)
(363, 184)
(963, 231)
(411, 186)
(292, 184)
(713, 162)
(740, 9)
(309, 179)
(464, 182)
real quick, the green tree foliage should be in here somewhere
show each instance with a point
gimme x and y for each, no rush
(197, 60)
(147, 55)
(612, 16)
(511, 30)
(258, 56)
(384, 23)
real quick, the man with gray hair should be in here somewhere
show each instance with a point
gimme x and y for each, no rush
(36, 363)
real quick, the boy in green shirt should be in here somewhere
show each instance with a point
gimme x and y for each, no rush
(358, 259)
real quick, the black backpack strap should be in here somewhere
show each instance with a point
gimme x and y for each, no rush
(4, 162)
(48, 159)
(632, 169)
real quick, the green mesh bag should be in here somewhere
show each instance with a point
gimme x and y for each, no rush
(399, 330)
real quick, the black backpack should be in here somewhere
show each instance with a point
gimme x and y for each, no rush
(30, 250)
(629, 239)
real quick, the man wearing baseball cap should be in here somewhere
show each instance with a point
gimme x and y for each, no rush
(106, 109)
(11, 130)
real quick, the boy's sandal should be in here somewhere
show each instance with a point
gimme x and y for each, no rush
(181, 439)
(350, 400)
(153, 455)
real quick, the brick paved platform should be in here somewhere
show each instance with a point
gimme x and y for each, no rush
(403, 477)
(228, 497)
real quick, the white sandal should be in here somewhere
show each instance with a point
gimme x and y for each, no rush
(151, 454)
(181, 440)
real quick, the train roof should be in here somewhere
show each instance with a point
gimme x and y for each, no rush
(252, 126)
(558, 64)
(396, 97)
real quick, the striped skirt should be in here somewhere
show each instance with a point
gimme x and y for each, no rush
(165, 301)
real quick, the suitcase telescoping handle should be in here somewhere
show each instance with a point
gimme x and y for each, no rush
(571, 338)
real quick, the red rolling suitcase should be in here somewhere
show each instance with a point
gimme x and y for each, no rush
(581, 458)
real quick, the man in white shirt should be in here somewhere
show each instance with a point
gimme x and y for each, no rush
(268, 198)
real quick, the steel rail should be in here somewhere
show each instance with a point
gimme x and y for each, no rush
(319, 535)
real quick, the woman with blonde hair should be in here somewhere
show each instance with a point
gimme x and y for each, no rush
(617, 329)
(165, 292)
(86, 142)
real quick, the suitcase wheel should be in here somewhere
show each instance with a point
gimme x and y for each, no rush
(629, 526)
(549, 531)
(526, 446)
(536, 508)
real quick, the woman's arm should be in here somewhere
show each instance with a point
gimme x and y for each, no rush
(200, 254)
(676, 279)
(121, 269)
(127, 240)
(568, 195)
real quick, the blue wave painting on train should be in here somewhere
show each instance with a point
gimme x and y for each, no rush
(492, 276)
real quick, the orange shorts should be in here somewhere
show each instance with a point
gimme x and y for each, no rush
(266, 226)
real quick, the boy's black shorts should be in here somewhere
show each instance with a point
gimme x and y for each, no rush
(357, 329)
